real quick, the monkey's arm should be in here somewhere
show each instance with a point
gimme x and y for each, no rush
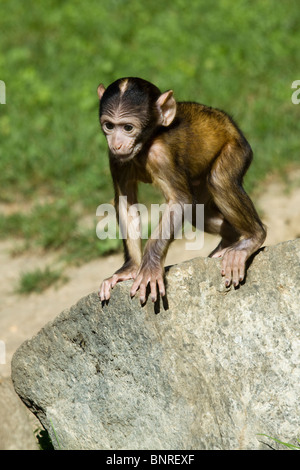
(151, 270)
(129, 223)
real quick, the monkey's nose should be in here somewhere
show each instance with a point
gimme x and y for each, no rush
(118, 147)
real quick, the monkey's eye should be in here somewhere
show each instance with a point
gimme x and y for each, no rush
(109, 126)
(128, 128)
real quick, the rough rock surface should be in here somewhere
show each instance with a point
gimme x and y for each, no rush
(210, 369)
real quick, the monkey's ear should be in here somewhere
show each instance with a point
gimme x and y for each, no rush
(167, 106)
(100, 90)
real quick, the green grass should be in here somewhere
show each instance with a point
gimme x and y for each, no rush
(39, 280)
(239, 56)
(285, 444)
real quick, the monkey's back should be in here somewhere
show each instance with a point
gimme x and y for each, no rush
(198, 134)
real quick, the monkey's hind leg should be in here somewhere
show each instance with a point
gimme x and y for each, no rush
(228, 234)
(248, 232)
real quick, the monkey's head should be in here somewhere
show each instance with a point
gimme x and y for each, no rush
(131, 109)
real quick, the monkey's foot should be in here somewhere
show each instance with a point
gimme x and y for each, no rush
(154, 277)
(233, 265)
(222, 247)
(217, 252)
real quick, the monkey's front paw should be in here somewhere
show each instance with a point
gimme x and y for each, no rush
(110, 282)
(104, 291)
(233, 266)
(145, 277)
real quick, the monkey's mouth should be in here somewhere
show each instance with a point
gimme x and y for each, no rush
(125, 157)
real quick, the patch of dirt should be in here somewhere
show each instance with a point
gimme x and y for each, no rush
(21, 316)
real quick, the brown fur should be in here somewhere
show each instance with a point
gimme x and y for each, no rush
(193, 154)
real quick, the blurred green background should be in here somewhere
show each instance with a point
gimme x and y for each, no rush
(237, 55)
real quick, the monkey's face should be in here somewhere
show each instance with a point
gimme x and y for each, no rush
(122, 135)
(131, 109)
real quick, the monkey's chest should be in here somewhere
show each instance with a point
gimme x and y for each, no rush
(143, 175)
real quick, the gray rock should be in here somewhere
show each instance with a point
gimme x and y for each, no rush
(210, 369)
